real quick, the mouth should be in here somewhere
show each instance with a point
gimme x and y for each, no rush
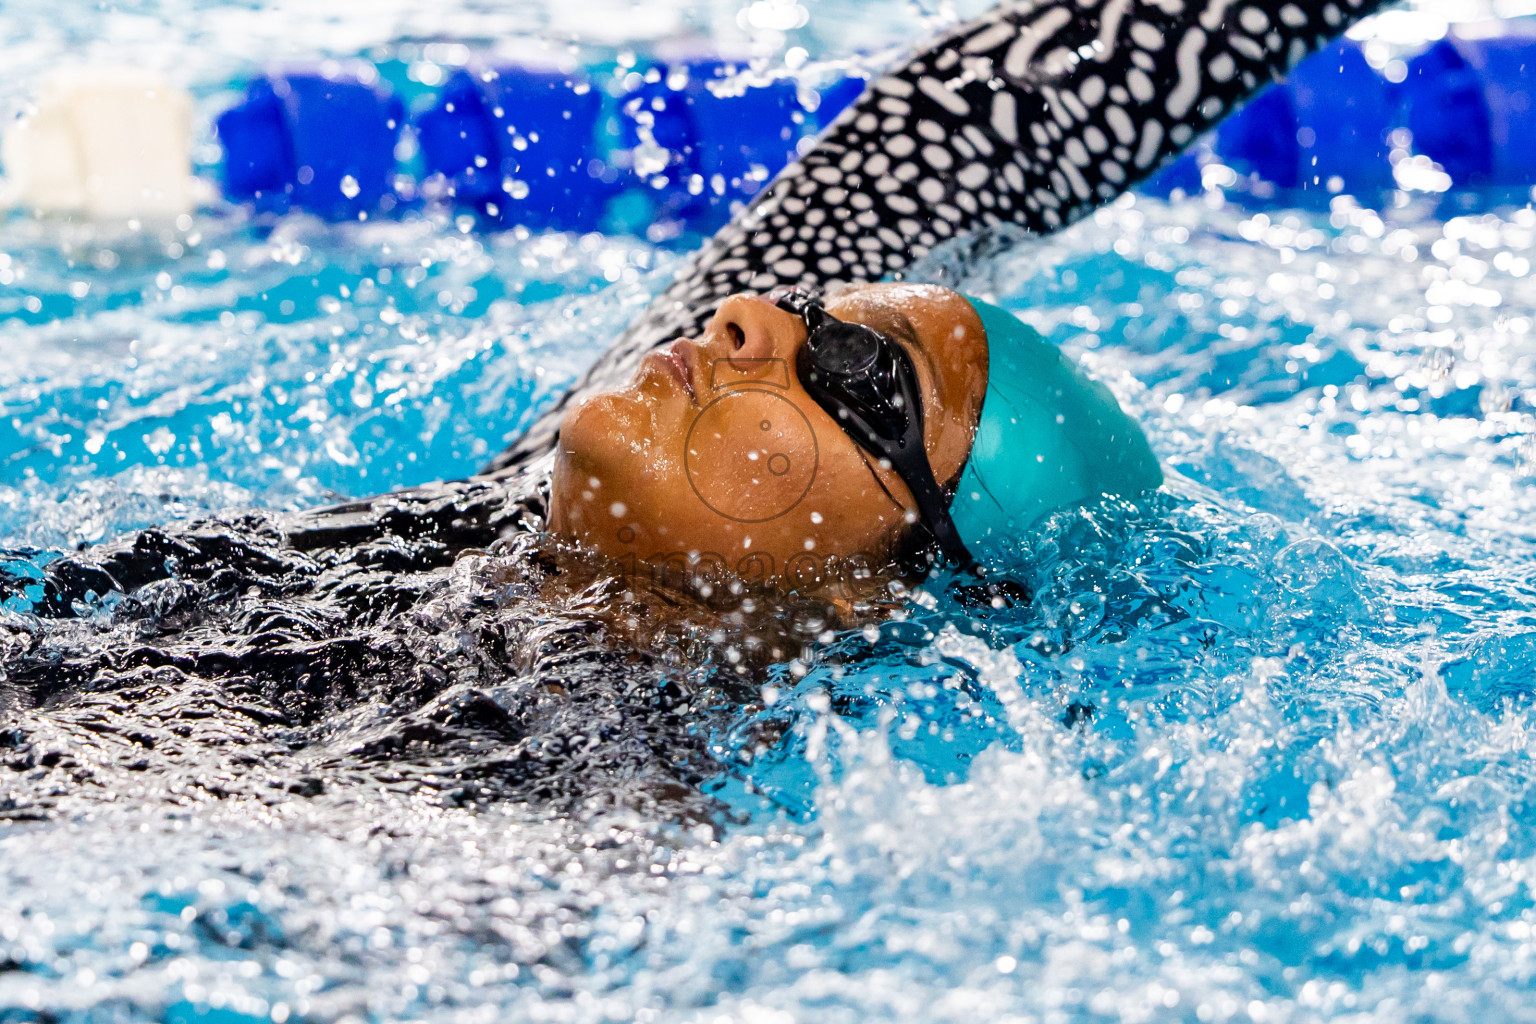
(684, 355)
(674, 363)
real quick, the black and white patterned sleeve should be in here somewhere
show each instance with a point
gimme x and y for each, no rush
(1034, 114)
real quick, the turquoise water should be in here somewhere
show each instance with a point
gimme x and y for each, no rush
(220, 365)
(1259, 749)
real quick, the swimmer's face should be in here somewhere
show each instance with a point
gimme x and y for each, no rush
(714, 451)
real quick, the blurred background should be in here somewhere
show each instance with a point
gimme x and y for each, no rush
(657, 119)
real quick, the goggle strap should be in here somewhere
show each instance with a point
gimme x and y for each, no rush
(917, 474)
(909, 459)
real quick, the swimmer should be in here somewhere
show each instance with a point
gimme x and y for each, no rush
(795, 425)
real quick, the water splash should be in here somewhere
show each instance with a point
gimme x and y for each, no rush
(1259, 748)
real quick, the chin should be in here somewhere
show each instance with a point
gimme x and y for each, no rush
(609, 438)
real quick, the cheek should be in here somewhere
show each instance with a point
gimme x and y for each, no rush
(801, 493)
(751, 456)
(849, 511)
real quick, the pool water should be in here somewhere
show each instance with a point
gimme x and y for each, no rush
(283, 369)
(1259, 749)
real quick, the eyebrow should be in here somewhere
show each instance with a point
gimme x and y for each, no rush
(896, 323)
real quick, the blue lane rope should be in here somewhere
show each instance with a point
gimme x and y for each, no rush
(675, 153)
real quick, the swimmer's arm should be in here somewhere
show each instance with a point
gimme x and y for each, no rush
(1033, 114)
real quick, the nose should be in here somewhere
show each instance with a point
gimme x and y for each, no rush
(748, 327)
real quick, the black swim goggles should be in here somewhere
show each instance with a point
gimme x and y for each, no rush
(868, 384)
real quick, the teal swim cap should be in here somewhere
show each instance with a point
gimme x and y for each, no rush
(1048, 437)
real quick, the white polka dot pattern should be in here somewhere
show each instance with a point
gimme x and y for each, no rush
(1034, 114)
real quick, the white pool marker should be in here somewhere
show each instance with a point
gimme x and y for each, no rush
(103, 142)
